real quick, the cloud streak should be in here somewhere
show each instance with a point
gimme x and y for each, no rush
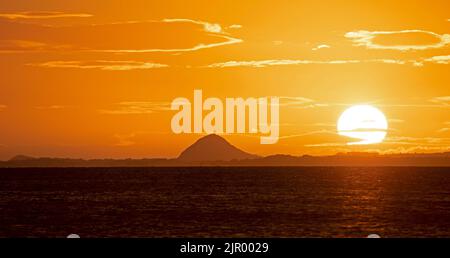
(102, 65)
(207, 26)
(283, 62)
(23, 46)
(367, 39)
(405, 144)
(294, 101)
(235, 26)
(320, 47)
(439, 59)
(419, 141)
(304, 103)
(52, 107)
(213, 28)
(317, 132)
(444, 129)
(130, 139)
(165, 36)
(229, 41)
(42, 15)
(442, 101)
(125, 140)
(137, 107)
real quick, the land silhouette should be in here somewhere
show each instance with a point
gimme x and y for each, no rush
(214, 150)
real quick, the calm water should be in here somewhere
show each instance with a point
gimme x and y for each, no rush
(225, 202)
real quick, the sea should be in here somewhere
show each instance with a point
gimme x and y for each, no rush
(225, 202)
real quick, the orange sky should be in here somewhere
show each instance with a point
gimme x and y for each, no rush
(95, 79)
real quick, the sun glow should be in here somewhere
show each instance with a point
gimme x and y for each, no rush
(363, 122)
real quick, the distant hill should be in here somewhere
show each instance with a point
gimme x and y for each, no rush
(356, 159)
(213, 148)
(21, 158)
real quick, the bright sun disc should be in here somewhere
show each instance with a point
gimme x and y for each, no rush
(363, 122)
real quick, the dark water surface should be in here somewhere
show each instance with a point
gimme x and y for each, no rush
(225, 202)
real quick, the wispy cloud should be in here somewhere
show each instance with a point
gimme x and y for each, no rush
(316, 132)
(125, 140)
(294, 101)
(323, 125)
(42, 15)
(102, 65)
(2, 107)
(415, 149)
(423, 141)
(130, 139)
(443, 60)
(52, 107)
(320, 47)
(439, 59)
(229, 41)
(173, 36)
(442, 100)
(207, 26)
(137, 107)
(285, 62)
(399, 144)
(214, 28)
(21, 46)
(327, 144)
(445, 129)
(279, 62)
(235, 26)
(367, 39)
(303, 103)
(436, 102)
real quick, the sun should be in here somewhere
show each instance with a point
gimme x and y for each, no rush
(363, 122)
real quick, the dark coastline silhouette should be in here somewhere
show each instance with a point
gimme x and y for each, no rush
(214, 150)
